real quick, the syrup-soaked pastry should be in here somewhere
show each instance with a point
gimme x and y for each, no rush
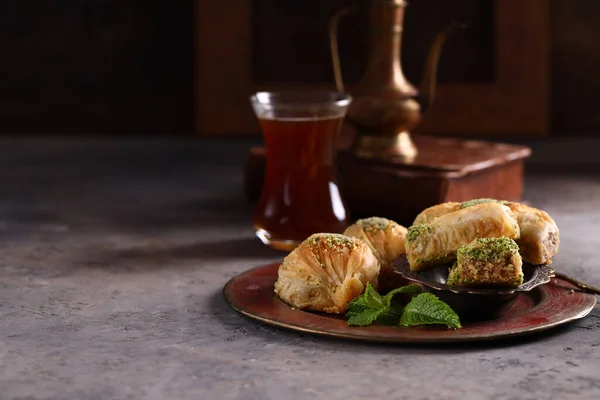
(325, 272)
(487, 262)
(435, 243)
(540, 237)
(431, 213)
(385, 238)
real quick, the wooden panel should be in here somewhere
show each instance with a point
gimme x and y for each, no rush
(288, 49)
(223, 67)
(576, 66)
(518, 102)
(515, 103)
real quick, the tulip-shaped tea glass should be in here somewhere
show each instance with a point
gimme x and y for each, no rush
(300, 195)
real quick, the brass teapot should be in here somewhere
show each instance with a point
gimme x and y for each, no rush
(385, 107)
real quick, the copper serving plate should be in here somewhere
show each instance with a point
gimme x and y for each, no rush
(543, 307)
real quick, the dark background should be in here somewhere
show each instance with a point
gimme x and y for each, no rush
(125, 67)
(96, 66)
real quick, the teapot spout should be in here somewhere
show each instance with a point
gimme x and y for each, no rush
(429, 83)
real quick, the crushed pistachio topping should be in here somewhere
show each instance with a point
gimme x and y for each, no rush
(487, 261)
(489, 249)
(332, 241)
(374, 224)
(475, 202)
(417, 230)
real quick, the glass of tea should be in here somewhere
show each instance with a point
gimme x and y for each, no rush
(300, 195)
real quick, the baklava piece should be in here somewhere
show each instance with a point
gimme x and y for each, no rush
(487, 262)
(325, 272)
(385, 238)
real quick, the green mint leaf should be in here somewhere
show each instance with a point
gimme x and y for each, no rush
(364, 318)
(372, 307)
(396, 307)
(372, 298)
(366, 301)
(410, 289)
(391, 316)
(427, 309)
(358, 305)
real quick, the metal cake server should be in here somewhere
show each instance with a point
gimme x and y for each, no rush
(583, 286)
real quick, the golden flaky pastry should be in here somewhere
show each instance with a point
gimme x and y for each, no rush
(385, 238)
(325, 272)
(539, 239)
(436, 243)
(433, 212)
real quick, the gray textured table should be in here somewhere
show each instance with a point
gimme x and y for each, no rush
(113, 259)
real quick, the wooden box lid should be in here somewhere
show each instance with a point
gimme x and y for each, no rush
(457, 157)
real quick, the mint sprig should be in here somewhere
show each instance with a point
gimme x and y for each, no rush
(423, 309)
(371, 306)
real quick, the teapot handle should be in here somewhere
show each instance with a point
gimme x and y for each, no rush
(334, 23)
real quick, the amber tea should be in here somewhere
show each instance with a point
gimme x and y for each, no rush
(300, 195)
